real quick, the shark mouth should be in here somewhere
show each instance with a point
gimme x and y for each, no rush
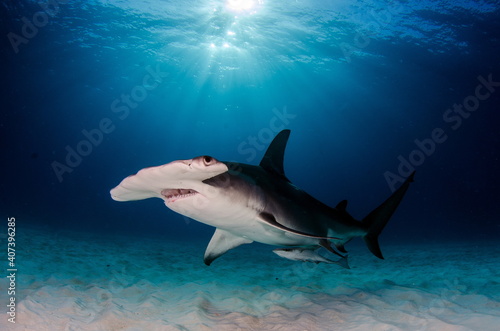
(173, 195)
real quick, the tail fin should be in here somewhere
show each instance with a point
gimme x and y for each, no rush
(379, 217)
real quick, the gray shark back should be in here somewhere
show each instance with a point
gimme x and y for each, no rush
(296, 209)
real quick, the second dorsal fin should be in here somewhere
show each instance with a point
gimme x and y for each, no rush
(342, 205)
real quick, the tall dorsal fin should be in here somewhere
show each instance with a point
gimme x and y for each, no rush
(273, 159)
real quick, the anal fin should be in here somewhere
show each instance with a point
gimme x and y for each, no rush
(221, 242)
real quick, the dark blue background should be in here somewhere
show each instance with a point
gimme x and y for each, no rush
(353, 115)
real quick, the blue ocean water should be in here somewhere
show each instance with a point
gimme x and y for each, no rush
(93, 91)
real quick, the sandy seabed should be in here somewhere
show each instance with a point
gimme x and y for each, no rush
(80, 281)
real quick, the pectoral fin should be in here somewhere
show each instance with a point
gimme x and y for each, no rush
(269, 219)
(221, 242)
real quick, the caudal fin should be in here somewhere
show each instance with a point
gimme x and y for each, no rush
(378, 218)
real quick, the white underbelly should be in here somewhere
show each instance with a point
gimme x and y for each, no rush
(258, 231)
(242, 222)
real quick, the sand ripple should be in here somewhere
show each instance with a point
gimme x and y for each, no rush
(144, 287)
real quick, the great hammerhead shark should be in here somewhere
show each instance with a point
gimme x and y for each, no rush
(247, 203)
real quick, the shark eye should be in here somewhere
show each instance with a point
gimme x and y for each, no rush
(208, 160)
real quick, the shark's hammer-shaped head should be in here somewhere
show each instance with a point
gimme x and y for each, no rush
(178, 183)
